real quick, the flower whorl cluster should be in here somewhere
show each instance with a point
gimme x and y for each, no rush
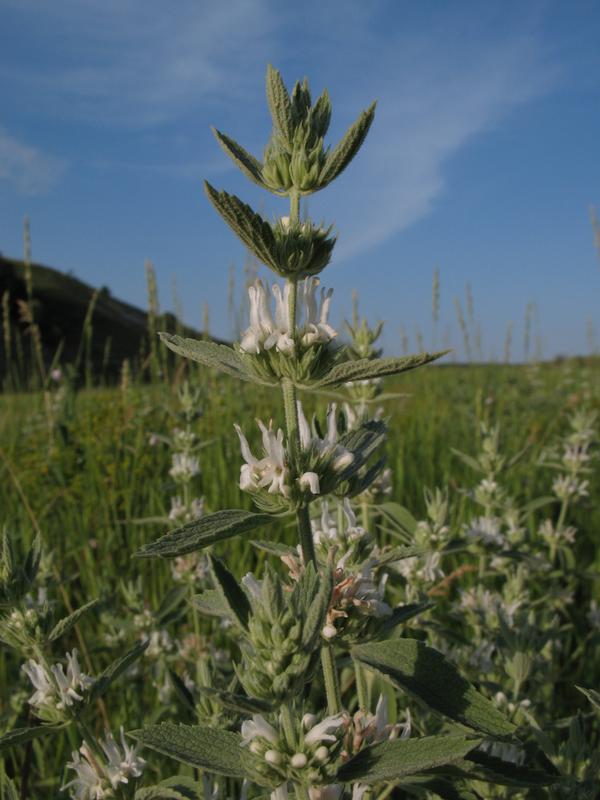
(268, 330)
(97, 779)
(55, 689)
(320, 463)
(307, 753)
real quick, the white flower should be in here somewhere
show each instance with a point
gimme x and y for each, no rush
(271, 470)
(327, 447)
(185, 467)
(44, 688)
(121, 765)
(269, 330)
(316, 328)
(55, 689)
(324, 731)
(265, 332)
(325, 530)
(565, 487)
(258, 728)
(69, 683)
(89, 783)
(487, 529)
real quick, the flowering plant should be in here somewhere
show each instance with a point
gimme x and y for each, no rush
(292, 724)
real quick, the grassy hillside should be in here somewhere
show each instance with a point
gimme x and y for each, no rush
(77, 323)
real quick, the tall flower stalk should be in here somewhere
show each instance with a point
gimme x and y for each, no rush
(288, 725)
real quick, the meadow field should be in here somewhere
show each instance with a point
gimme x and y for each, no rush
(95, 484)
(391, 592)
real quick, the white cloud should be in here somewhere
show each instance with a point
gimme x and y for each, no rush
(125, 62)
(435, 93)
(27, 168)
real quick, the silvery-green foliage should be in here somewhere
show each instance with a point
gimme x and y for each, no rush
(283, 633)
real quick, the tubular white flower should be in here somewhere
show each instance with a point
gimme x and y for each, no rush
(185, 467)
(309, 480)
(323, 731)
(316, 328)
(121, 765)
(44, 688)
(327, 447)
(272, 470)
(89, 783)
(264, 332)
(269, 330)
(68, 684)
(258, 728)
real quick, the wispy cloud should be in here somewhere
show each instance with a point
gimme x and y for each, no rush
(28, 169)
(435, 94)
(137, 64)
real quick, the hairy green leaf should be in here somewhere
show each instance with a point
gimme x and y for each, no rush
(506, 773)
(250, 166)
(367, 368)
(343, 153)
(241, 704)
(250, 227)
(115, 670)
(231, 592)
(22, 735)
(425, 673)
(64, 625)
(390, 760)
(211, 604)
(203, 532)
(210, 749)
(177, 788)
(210, 354)
(279, 104)
(403, 614)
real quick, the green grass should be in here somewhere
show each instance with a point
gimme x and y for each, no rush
(86, 486)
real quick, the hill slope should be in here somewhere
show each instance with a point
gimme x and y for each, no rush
(60, 305)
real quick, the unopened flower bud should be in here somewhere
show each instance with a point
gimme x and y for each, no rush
(273, 757)
(322, 753)
(298, 761)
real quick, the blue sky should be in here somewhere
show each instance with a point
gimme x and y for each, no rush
(484, 158)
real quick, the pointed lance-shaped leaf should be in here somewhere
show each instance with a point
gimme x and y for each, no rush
(280, 105)
(250, 227)
(343, 153)
(506, 773)
(201, 533)
(233, 596)
(20, 736)
(115, 670)
(389, 761)
(211, 604)
(367, 368)
(211, 354)
(246, 162)
(321, 114)
(426, 674)
(209, 749)
(65, 625)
